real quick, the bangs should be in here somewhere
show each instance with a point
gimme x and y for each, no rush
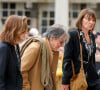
(90, 15)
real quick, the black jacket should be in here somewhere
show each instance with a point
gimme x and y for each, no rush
(10, 76)
(72, 52)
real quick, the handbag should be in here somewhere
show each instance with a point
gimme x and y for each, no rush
(78, 81)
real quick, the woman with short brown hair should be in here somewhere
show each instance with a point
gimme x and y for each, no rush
(81, 35)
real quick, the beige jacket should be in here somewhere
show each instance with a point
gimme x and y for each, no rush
(31, 66)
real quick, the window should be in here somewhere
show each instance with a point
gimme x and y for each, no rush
(4, 5)
(75, 14)
(44, 30)
(8, 9)
(12, 12)
(51, 22)
(12, 5)
(3, 20)
(83, 6)
(5, 13)
(74, 10)
(47, 19)
(28, 13)
(75, 6)
(44, 22)
(52, 14)
(20, 13)
(44, 14)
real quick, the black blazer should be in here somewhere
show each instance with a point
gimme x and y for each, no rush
(10, 76)
(72, 52)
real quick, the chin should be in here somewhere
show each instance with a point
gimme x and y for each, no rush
(55, 49)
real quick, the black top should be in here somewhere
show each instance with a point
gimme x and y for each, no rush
(98, 68)
(98, 62)
(72, 52)
(10, 76)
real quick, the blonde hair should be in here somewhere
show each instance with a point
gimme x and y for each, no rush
(14, 26)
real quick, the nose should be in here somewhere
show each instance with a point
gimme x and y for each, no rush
(62, 44)
(58, 45)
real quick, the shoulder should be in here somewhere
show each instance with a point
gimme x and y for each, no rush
(31, 42)
(73, 32)
(4, 45)
(5, 48)
(34, 45)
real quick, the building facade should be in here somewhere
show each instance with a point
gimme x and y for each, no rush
(41, 13)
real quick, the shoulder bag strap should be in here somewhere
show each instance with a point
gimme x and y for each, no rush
(81, 55)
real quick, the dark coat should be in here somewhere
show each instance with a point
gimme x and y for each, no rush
(10, 76)
(72, 52)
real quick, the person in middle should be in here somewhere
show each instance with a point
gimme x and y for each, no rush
(36, 72)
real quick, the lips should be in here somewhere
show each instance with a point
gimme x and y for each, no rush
(90, 26)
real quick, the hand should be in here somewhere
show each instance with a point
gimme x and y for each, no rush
(65, 87)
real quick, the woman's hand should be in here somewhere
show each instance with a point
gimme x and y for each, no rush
(65, 87)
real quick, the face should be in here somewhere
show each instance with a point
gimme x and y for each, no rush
(88, 23)
(22, 37)
(57, 43)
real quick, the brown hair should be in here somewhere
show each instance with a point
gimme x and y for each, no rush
(84, 12)
(14, 26)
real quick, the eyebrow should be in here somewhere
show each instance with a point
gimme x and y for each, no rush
(90, 16)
